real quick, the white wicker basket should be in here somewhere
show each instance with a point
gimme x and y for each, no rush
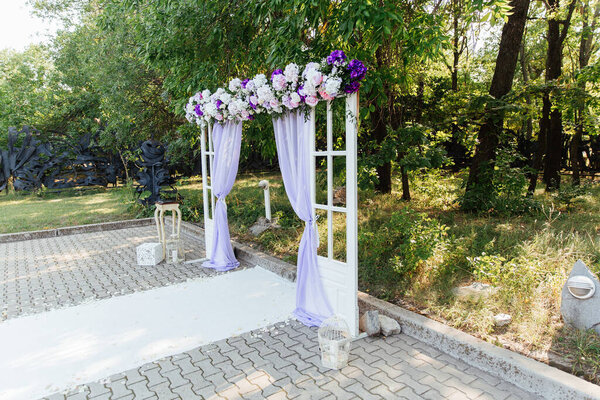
(334, 341)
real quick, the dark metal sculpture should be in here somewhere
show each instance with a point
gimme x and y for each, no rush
(24, 163)
(154, 177)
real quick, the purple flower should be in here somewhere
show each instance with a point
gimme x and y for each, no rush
(352, 87)
(299, 91)
(198, 110)
(218, 104)
(244, 83)
(337, 57)
(276, 72)
(252, 104)
(251, 117)
(357, 70)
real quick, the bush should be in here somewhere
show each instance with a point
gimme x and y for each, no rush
(393, 246)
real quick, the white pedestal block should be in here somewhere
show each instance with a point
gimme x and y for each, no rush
(149, 253)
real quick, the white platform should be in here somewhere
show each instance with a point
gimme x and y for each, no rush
(53, 351)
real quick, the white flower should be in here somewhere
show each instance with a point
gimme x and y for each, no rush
(295, 98)
(206, 94)
(312, 100)
(264, 94)
(225, 98)
(250, 86)
(260, 80)
(279, 82)
(332, 86)
(235, 84)
(210, 109)
(291, 73)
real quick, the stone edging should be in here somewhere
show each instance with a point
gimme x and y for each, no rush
(526, 373)
(250, 256)
(71, 230)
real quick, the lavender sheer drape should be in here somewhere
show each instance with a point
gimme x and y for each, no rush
(292, 136)
(227, 139)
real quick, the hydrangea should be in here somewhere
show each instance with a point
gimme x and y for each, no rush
(357, 70)
(336, 58)
(332, 86)
(235, 84)
(264, 94)
(352, 87)
(259, 80)
(291, 73)
(206, 94)
(225, 98)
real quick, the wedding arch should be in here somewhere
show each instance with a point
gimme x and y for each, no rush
(325, 285)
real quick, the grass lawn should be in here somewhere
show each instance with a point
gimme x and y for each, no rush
(22, 212)
(410, 253)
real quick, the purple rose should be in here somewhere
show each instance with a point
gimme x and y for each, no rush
(276, 72)
(198, 110)
(357, 70)
(244, 83)
(352, 87)
(337, 58)
(218, 104)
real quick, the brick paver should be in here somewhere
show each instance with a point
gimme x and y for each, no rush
(42, 274)
(290, 368)
(278, 362)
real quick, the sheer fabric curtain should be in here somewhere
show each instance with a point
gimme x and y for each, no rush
(227, 139)
(292, 135)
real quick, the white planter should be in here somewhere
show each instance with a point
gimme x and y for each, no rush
(149, 254)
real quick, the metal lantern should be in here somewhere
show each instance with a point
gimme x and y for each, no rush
(175, 253)
(334, 342)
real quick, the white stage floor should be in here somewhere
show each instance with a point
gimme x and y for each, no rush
(56, 350)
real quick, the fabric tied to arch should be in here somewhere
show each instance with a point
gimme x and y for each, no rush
(292, 136)
(227, 139)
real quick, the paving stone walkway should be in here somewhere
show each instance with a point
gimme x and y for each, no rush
(279, 362)
(43, 274)
(282, 362)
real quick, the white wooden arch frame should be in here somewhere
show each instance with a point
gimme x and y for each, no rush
(339, 277)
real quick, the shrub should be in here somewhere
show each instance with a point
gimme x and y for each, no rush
(393, 247)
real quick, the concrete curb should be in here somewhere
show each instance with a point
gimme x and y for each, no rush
(526, 373)
(71, 230)
(247, 255)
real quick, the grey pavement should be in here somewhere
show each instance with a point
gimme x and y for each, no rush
(278, 362)
(283, 362)
(43, 274)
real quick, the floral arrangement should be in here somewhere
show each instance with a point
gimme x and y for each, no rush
(286, 89)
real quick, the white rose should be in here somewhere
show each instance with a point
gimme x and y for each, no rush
(295, 97)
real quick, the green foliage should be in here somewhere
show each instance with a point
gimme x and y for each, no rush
(392, 247)
(507, 196)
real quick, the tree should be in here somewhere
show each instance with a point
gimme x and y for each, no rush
(551, 124)
(480, 181)
(586, 45)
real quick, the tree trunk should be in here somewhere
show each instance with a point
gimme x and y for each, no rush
(554, 117)
(585, 52)
(405, 185)
(482, 167)
(379, 123)
(124, 166)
